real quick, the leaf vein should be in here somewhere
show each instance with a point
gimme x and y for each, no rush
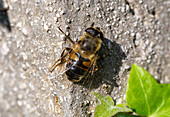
(143, 91)
(160, 106)
(106, 112)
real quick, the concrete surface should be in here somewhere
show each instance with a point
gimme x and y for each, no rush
(136, 31)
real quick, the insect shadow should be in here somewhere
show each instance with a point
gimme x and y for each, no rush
(109, 63)
(4, 19)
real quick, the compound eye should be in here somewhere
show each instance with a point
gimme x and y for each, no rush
(94, 32)
(91, 31)
(100, 35)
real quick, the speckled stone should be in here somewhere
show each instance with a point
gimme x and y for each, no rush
(135, 32)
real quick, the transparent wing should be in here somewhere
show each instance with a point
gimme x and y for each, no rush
(90, 75)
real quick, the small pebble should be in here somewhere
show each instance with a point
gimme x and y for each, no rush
(46, 27)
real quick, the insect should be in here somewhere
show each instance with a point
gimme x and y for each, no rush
(80, 60)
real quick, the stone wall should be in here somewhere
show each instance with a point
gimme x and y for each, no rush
(136, 31)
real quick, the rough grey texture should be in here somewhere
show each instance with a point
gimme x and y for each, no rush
(136, 31)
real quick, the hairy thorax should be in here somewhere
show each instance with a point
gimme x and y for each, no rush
(87, 46)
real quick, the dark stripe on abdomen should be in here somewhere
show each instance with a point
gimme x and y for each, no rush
(74, 72)
(79, 64)
(75, 69)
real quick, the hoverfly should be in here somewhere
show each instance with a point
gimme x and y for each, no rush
(80, 60)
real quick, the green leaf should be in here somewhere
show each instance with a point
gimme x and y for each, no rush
(145, 96)
(106, 108)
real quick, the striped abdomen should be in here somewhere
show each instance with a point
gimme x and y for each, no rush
(77, 67)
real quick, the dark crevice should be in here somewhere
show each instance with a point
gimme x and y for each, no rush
(130, 9)
(152, 11)
(134, 39)
(4, 19)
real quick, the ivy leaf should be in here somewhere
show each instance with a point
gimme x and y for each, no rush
(106, 108)
(145, 96)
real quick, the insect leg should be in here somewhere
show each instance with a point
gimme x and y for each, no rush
(94, 67)
(71, 41)
(61, 60)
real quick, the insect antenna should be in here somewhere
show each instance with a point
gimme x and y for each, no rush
(71, 41)
(92, 24)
